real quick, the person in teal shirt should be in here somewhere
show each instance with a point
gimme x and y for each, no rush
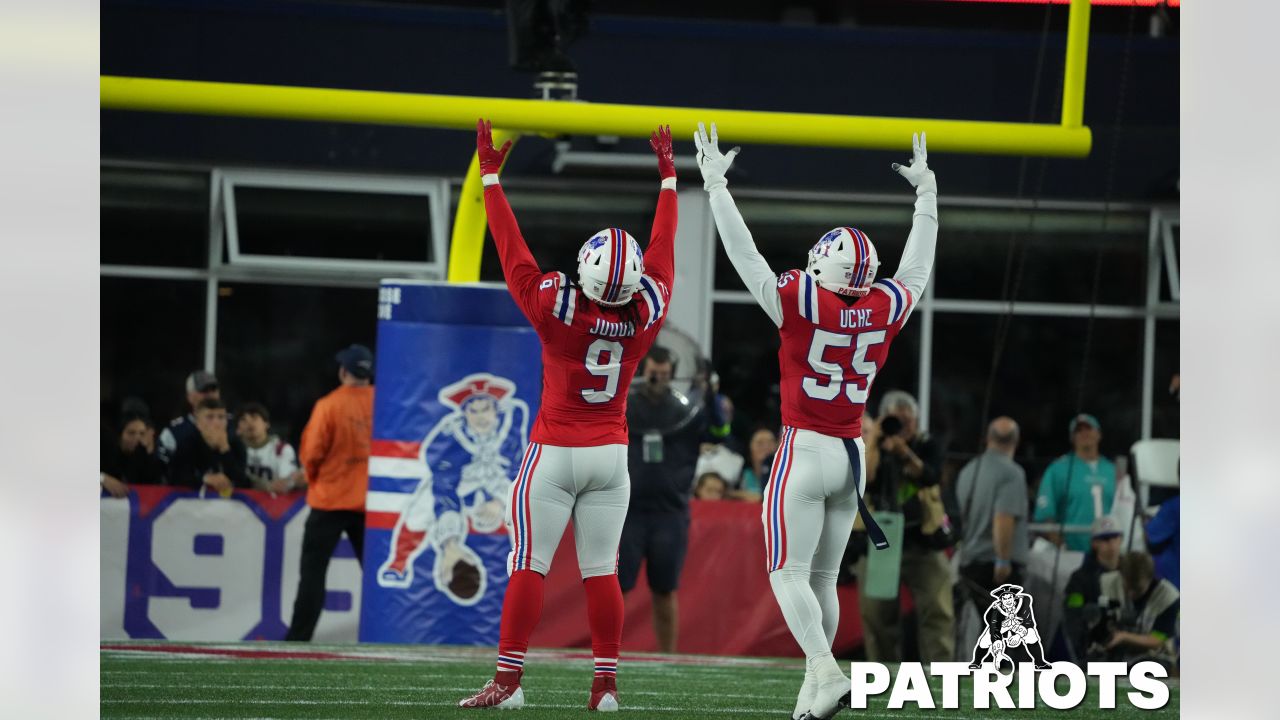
(1070, 483)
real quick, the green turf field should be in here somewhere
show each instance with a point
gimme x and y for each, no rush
(275, 680)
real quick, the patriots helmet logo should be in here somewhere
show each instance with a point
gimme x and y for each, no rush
(595, 242)
(823, 246)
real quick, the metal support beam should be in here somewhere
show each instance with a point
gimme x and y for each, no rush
(924, 384)
(1149, 324)
(211, 282)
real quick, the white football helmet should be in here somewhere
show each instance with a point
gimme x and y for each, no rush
(844, 261)
(609, 267)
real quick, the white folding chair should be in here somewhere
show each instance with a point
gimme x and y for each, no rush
(1156, 465)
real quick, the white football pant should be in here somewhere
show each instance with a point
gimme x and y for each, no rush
(810, 504)
(589, 484)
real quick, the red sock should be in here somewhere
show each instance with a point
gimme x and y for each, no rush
(521, 609)
(406, 542)
(604, 614)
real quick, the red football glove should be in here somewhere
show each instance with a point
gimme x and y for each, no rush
(660, 141)
(490, 159)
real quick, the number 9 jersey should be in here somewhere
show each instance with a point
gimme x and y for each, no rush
(832, 347)
(589, 351)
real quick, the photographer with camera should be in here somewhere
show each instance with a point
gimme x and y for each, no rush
(667, 431)
(1142, 618)
(1116, 608)
(906, 480)
(1085, 604)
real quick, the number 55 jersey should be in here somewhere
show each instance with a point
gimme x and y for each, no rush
(832, 347)
(589, 351)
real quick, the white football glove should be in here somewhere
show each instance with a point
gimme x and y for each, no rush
(711, 161)
(918, 172)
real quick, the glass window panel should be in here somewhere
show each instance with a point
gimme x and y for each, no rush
(1038, 383)
(555, 224)
(152, 337)
(1060, 247)
(292, 222)
(276, 345)
(154, 217)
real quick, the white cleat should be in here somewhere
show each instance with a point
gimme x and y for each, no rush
(804, 700)
(831, 697)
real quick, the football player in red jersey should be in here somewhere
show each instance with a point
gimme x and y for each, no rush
(836, 322)
(594, 332)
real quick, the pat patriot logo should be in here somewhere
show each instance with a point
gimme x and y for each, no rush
(1009, 626)
(1009, 623)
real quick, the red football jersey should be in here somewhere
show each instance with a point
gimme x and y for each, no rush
(589, 351)
(832, 349)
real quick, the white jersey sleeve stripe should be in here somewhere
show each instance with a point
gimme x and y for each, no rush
(808, 298)
(653, 299)
(566, 298)
(558, 308)
(570, 301)
(899, 299)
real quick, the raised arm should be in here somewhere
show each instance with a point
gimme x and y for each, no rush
(738, 243)
(660, 255)
(917, 256)
(518, 265)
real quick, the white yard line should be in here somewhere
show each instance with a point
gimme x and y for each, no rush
(752, 711)
(405, 688)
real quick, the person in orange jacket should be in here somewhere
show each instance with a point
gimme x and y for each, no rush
(335, 460)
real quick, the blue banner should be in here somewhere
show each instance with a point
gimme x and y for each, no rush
(181, 565)
(458, 380)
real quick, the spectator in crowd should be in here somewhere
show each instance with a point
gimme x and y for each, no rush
(335, 464)
(1079, 487)
(210, 458)
(1084, 604)
(992, 492)
(271, 463)
(1148, 624)
(129, 458)
(1163, 540)
(201, 385)
(710, 486)
(661, 458)
(907, 481)
(760, 452)
(717, 459)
